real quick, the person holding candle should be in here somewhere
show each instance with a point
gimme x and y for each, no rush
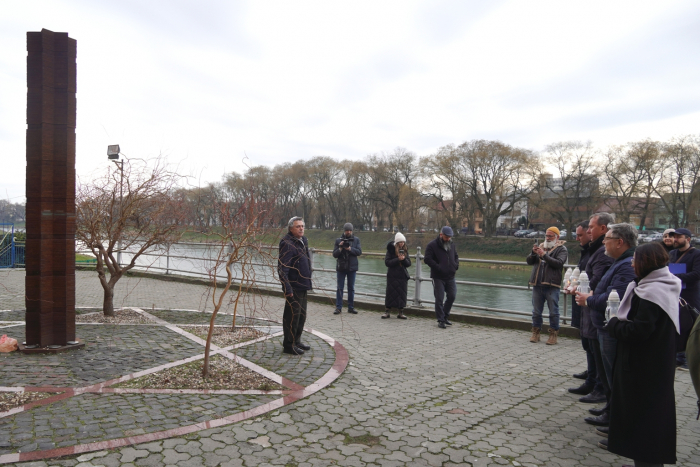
(643, 408)
(620, 242)
(597, 265)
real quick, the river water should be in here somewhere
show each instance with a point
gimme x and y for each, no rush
(491, 297)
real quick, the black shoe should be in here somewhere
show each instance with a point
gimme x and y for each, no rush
(584, 389)
(441, 325)
(352, 310)
(447, 322)
(597, 412)
(294, 350)
(303, 346)
(593, 398)
(603, 444)
(582, 375)
(337, 311)
(601, 420)
(602, 431)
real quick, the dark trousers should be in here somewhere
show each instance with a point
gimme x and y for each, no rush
(592, 379)
(341, 275)
(442, 287)
(294, 318)
(594, 345)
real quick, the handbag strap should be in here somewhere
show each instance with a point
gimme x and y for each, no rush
(686, 251)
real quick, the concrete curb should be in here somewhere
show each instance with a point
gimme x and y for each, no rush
(422, 312)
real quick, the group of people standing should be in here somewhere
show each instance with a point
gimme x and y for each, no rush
(294, 269)
(631, 356)
(440, 256)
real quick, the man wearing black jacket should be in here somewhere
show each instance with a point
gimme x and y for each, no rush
(690, 256)
(345, 251)
(294, 268)
(596, 267)
(441, 257)
(591, 382)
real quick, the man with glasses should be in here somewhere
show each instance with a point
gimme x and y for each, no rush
(619, 241)
(547, 260)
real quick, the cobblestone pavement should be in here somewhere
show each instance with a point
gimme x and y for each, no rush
(413, 394)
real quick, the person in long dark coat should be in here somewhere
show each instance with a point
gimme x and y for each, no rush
(396, 260)
(643, 405)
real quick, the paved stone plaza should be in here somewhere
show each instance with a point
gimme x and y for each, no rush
(413, 394)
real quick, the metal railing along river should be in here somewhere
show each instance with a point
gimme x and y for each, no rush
(265, 274)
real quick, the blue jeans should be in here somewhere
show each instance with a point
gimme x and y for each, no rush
(540, 293)
(442, 287)
(608, 350)
(341, 285)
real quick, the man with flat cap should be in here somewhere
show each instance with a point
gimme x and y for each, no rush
(689, 257)
(441, 257)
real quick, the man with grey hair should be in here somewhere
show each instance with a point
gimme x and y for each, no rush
(294, 268)
(620, 242)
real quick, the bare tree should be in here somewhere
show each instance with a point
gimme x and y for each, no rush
(137, 211)
(495, 175)
(679, 188)
(443, 183)
(239, 249)
(571, 192)
(389, 174)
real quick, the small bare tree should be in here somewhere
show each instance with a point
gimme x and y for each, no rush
(239, 249)
(134, 210)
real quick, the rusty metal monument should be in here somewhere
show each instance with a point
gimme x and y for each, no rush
(50, 258)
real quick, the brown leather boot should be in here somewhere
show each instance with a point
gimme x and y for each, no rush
(552, 337)
(535, 335)
(386, 314)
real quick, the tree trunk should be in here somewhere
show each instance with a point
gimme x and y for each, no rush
(108, 302)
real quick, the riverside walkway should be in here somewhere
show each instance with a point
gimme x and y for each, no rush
(411, 394)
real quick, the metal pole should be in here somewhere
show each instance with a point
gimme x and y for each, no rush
(121, 202)
(563, 316)
(417, 278)
(167, 264)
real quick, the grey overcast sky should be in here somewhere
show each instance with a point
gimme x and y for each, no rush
(208, 83)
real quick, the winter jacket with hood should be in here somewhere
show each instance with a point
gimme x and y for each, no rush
(347, 259)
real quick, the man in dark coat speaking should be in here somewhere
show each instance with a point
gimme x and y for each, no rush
(690, 257)
(441, 257)
(294, 268)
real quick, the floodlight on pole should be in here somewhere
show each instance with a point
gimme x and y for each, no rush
(113, 152)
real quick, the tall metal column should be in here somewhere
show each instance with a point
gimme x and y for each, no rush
(50, 248)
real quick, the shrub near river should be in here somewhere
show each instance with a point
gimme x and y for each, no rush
(477, 247)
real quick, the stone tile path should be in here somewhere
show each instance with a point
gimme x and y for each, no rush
(412, 395)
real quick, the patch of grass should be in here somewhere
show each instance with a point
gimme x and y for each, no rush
(367, 440)
(440, 404)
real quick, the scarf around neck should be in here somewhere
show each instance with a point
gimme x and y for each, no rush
(659, 287)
